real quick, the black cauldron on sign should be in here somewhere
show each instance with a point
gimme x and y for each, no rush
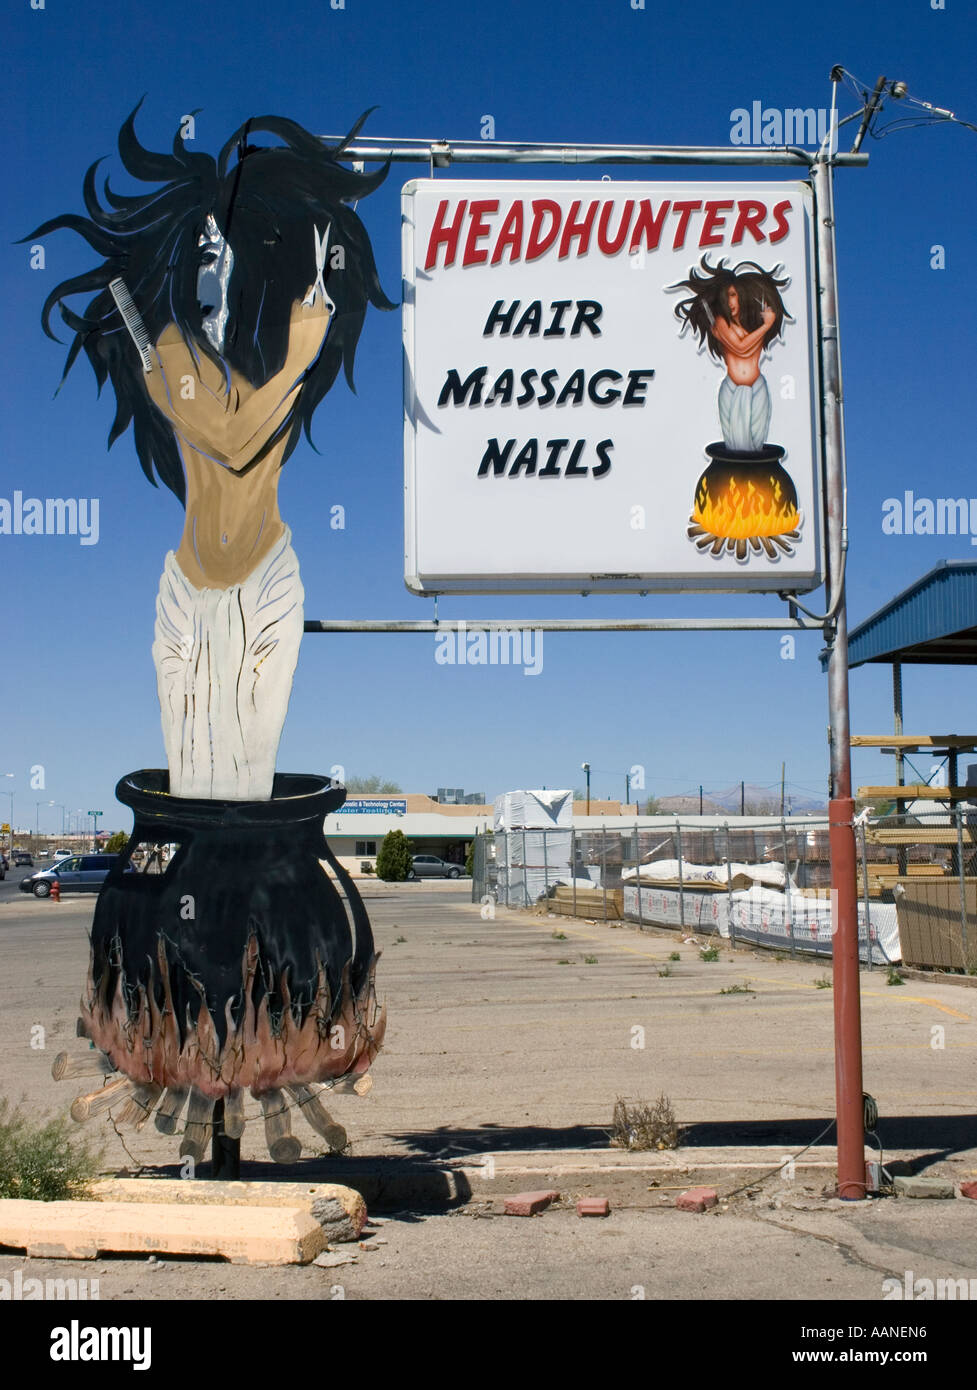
(745, 500)
(239, 963)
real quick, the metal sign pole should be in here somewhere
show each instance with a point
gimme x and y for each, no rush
(841, 808)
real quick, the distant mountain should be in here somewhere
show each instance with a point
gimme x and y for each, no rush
(689, 805)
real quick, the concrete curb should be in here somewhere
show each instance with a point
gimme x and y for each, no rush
(339, 1210)
(638, 1179)
(632, 1178)
(82, 1230)
(937, 977)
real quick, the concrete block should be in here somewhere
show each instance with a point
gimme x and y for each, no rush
(339, 1210)
(969, 1189)
(593, 1206)
(924, 1187)
(529, 1203)
(697, 1199)
(82, 1230)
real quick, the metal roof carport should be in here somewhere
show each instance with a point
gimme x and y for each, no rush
(932, 623)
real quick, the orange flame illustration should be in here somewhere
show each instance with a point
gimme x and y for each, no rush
(742, 510)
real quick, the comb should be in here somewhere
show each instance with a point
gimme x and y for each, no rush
(132, 321)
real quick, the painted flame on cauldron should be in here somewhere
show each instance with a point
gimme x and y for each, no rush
(741, 509)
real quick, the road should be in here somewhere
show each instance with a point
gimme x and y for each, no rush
(516, 1035)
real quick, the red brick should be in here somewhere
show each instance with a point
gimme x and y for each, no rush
(593, 1206)
(697, 1199)
(529, 1203)
(969, 1189)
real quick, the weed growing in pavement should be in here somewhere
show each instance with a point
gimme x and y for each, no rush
(559, 936)
(893, 977)
(665, 971)
(43, 1162)
(399, 939)
(645, 1126)
(675, 955)
(738, 989)
(709, 953)
(823, 982)
(590, 960)
(563, 962)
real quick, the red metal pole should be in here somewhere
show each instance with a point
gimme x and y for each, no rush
(841, 807)
(847, 1002)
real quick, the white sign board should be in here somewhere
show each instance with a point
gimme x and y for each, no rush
(610, 387)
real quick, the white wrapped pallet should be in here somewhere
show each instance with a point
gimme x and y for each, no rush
(534, 810)
(540, 849)
(530, 863)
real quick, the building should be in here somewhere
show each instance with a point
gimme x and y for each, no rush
(445, 828)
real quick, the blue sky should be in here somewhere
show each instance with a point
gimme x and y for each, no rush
(77, 687)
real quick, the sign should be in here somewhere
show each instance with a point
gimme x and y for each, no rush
(610, 387)
(368, 806)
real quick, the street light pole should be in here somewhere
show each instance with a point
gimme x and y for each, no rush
(586, 768)
(37, 816)
(11, 822)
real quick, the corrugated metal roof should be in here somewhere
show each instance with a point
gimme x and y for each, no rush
(933, 622)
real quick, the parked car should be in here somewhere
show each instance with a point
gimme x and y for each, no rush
(83, 873)
(23, 859)
(4, 864)
(62, 854)
(430, 866)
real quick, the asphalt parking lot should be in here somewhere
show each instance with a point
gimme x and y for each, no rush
(512, 1037)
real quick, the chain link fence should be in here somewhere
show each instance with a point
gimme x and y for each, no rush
(766, 881)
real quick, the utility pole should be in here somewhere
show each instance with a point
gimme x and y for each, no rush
(783, 774)
(700, 799)
(742, 798)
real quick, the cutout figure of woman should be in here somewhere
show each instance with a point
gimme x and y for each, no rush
(227, 299)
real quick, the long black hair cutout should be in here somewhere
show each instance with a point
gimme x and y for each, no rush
(267, 202)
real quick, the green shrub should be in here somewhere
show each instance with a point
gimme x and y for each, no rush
(43, 1162)
(395, 860)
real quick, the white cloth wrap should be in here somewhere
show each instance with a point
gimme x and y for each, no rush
(744, 414)
(224, 665)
